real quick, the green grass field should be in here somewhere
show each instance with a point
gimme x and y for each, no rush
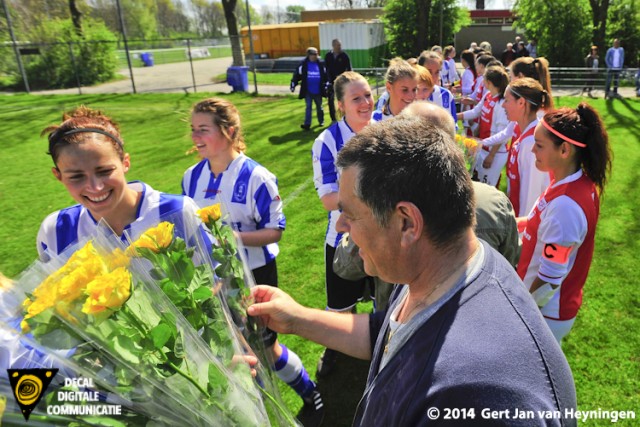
(603, 349)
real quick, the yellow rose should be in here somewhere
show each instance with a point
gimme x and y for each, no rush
(154, 239)
(117, 258)
(210, 214)
(108, 292)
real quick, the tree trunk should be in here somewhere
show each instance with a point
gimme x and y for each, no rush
(76, 17)
(423, 10)
(229, 7)
(599, 11)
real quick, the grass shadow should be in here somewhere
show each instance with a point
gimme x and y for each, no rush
(342, 389)
(300, 137)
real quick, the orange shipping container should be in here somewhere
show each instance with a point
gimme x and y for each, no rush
(276, 41)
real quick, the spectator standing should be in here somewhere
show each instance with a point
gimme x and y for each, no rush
(486, 46)
(336, 62)
(615, 61)
(508, 55)
(521, 50)
(591, 62)
(532, 47)
(312, 76)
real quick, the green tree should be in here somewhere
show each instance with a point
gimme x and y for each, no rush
(293, 13)
(542, 21)
(139, 17)
(69, 57)
(599, 15)
(241, 14)
(171, 19)
(412, 26)
(624, 24)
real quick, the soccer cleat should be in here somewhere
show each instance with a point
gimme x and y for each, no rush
(312, 412)
(305, 127)
(327, 362)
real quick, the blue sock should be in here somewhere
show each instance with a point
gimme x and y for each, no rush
(289, 369)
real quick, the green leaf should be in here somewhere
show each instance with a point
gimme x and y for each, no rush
(161, 334)
(140, 306)
(219, 255)
(178, 348)
(202, 293)
(218, 382)
(127, 349)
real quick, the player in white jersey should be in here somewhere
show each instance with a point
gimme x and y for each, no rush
(449, 73)
(441, 96)
(401, 81)
(559, 237)
(522, 99)
(355, 103)
(249, 194)
(425, 83)
(490, 159)
(62, 228)
(90, 162)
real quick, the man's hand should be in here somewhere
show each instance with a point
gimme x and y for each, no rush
(292, 87)
(276, 309)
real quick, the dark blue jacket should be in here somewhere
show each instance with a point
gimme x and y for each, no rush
(486, 348)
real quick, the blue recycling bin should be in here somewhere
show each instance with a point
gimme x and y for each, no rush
(238, 78)
(147, 59)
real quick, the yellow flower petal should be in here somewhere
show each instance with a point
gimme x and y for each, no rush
(155, 239)
(210, 214)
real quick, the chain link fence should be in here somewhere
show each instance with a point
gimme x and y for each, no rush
(164, 65)
(31, 67)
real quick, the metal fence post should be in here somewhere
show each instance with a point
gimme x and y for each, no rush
(126, 45)
(15, 48)
(75, 67)
(193, 75)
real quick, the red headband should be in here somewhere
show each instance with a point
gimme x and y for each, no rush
(561, 136)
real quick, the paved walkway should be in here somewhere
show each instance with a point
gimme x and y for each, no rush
(175, 77)
(178, 77)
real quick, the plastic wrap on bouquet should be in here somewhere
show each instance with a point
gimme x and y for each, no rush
(469, 147)
(147, 325)
(236, 280)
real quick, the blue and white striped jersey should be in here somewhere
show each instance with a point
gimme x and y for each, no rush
(382, 100)
(65, 227)
(325, 173)
(248, 192)
(443, 97)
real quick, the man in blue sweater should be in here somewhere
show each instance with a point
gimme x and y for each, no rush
(462, 342)
(312, 76)
(615, 61)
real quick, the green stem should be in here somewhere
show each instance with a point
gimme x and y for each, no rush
(186, 376)
(283, 411)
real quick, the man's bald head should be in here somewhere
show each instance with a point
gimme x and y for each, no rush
(432, 114)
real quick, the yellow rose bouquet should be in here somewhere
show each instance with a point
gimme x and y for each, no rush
(149, 326)
(469, 147)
